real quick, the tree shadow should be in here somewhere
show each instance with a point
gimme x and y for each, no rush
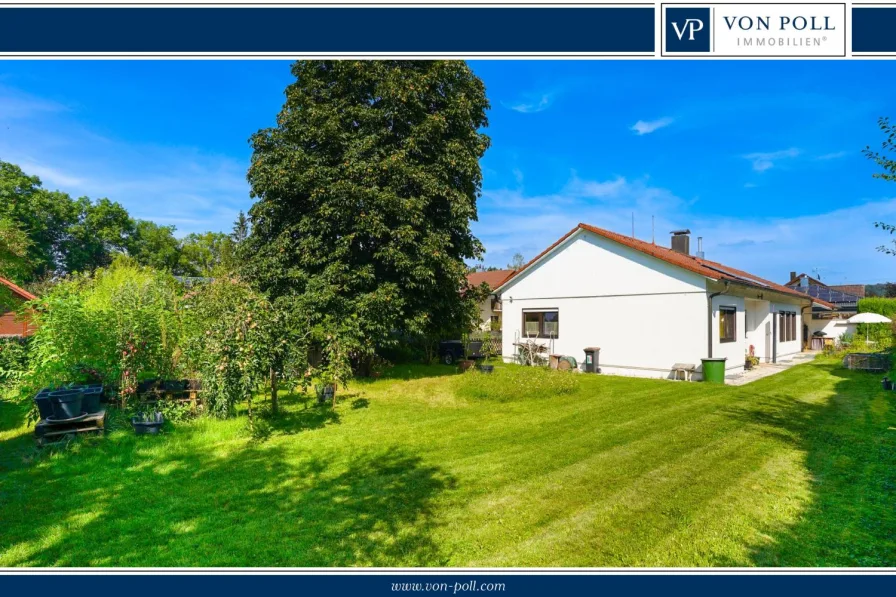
(409, 372)
(849, 440)
(256, 506)
(316, 416)
(360, 403)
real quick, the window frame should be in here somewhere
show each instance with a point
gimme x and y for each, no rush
(787, 331)
(541, 328)
(728, 310)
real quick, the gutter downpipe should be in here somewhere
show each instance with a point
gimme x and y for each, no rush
(804, 345)
(709, 317)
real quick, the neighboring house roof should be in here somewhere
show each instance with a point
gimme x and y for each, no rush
(857, 290)
(493, 278)
(796, 280)
(18, 291)
(842, 300)
(703, 267)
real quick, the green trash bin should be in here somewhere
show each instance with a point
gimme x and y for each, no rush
(714, 370)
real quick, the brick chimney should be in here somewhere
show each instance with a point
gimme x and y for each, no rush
(681, 241)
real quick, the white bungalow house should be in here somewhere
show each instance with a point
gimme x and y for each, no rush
(647, 307)
(490, 307)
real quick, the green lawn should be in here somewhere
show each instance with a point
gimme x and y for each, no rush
(793, 470)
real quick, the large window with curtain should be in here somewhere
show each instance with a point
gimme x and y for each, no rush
(541, 324)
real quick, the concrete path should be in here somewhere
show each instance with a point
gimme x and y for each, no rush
(766, 369)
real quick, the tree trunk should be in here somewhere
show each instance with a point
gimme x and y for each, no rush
(274, 405)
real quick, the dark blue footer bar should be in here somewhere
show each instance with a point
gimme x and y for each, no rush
(464, 584)
(467, 30)
(874, 29)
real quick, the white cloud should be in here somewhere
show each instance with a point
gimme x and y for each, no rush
(511, 221)
(530, 105)
(763, 161)
(645, 127)
(185, 186)
(833, 156)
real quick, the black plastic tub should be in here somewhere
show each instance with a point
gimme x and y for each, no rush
(148, 424)
(44, 405)
(486, 368)
(325, 393)
(90, 402)
(66, 404)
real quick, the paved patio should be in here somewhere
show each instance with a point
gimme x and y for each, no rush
(766, 369)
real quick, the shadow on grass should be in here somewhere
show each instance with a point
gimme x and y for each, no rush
(253, 506)
(313, 416)
(849, 439)
(409, 372)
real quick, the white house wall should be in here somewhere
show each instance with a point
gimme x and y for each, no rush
(644, 313)
(833, 328)
(733, 351)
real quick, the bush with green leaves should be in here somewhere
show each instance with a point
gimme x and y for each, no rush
(515, 382)
(230, 339)
(116, 326)
(14, 361)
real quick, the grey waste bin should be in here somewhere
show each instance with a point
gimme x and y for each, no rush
(592, 359)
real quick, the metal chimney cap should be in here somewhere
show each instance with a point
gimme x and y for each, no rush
(680, 232)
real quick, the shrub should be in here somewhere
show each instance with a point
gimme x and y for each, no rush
(14, 361)
(513, 382)
(117, 325)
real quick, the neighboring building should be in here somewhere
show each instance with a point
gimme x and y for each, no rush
(490, 308)
(10, 323)
(829, 322)
(647, 307)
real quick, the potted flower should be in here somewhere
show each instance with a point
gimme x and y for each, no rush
(750, 358)
(326, 387)
(148, 423)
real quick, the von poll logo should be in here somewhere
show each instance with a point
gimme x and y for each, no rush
(757, 29)
(687, 29)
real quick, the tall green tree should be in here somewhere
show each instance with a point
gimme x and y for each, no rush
(885, 160)
(365, 193)
(100, 230)
(155, 246)
(202, 254)
(44, 216)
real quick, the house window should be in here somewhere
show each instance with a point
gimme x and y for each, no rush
(786, 326)
(541, 324)
(727, 324)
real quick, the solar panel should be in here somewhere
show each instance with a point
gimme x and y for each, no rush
(749, 279)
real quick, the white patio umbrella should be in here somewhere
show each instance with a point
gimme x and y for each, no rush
(868, 318)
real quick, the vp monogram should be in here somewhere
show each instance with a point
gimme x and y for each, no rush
(691, 26)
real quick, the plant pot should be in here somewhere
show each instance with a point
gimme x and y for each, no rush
(325, 392)
(466, 364)
(150, 426)
(748, 365)
(886, 383)
(66, 404)
(90, 402)
(486, 368)
(44, 404)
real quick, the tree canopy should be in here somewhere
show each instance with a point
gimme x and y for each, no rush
(48, 233)
(365, 193)
(885, 160)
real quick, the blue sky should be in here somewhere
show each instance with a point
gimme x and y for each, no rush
(761, 159)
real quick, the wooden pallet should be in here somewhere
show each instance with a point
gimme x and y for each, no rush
(46, 432)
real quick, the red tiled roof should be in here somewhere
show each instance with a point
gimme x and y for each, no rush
(853, 289)
(20, 292)
(493, 278)
(703, 267)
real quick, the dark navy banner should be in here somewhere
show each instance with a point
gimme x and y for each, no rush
(874, 29)
(295, 30)
(450, 585)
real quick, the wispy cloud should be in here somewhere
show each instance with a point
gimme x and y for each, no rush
(531, 104)
(512, 221)
(645, 127)
(193, 189)
(833, 156)
(763, 161)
